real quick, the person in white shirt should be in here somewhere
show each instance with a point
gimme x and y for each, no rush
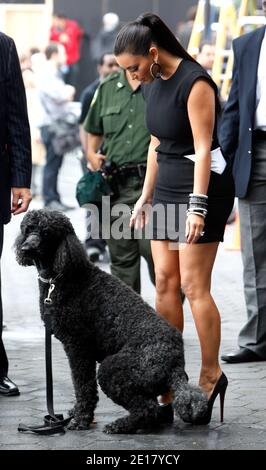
(53, 98)
(243, 140)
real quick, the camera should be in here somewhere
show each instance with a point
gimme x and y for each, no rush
(109, 168)
(110, 172)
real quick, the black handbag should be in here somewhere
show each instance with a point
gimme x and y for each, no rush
(64, 131)
(91, 187)
(65, 134)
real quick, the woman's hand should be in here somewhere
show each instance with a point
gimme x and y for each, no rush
(139, 216)
(194, 227)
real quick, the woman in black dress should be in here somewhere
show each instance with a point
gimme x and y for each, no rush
(181, 114)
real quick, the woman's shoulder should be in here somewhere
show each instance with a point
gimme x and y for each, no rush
(193, 67)
(192, 72)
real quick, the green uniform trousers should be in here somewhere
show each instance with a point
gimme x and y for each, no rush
(126, 252)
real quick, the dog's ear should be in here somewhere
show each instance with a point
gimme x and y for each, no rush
(70, 256)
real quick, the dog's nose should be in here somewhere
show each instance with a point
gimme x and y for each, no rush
(32, 242)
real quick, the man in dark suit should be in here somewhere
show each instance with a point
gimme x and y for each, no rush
(15, 163)
(243, 140)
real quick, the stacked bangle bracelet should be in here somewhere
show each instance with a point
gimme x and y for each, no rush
(198, 204)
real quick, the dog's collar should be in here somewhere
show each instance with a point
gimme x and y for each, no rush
(51, 282)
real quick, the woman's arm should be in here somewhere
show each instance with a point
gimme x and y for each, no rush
(151, 171)
(138, 218)
(201, 112)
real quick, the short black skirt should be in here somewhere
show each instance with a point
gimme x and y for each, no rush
(170, 202)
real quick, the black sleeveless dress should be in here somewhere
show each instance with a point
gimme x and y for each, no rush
(167, 119)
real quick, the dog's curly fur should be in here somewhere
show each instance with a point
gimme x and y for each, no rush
(100, 319)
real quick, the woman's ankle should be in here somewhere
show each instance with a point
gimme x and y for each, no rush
(209, 377)
(166, 398)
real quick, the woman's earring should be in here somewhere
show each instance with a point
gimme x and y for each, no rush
(156, 70)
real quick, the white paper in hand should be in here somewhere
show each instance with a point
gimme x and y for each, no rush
(218, 162)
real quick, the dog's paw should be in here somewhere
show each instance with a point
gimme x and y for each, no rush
(79, 424)
(120, 426)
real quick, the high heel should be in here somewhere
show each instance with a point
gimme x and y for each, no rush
(219, 389)
(165, 414)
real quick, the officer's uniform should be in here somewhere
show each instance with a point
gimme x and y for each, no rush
(117, 114)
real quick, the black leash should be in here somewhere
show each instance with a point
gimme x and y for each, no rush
(53, 423)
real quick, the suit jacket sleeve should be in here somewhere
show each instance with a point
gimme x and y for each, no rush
(18, 131)
(229, 130)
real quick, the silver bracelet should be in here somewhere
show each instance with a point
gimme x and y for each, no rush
(196, 213)
(198, 195)
(197, 208)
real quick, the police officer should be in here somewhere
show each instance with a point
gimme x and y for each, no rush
(96, 248)
(116, 122)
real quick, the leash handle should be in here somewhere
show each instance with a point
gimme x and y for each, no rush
(53, 423)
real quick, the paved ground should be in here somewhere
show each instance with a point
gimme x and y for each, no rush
(245, 413)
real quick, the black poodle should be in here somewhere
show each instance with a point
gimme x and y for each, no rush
(100, 319)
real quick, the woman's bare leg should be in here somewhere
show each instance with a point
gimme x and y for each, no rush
(196, 263)
(167, 282)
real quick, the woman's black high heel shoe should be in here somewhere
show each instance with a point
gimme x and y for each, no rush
(219, 389)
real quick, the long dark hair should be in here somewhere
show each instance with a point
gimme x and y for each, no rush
(137, 36)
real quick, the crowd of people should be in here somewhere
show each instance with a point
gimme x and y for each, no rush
(154, 114)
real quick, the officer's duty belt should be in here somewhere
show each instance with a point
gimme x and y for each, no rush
(133, 170)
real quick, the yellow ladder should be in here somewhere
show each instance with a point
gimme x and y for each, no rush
(225, 28)
(230, 25)
(198, 28)
(226, 9)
